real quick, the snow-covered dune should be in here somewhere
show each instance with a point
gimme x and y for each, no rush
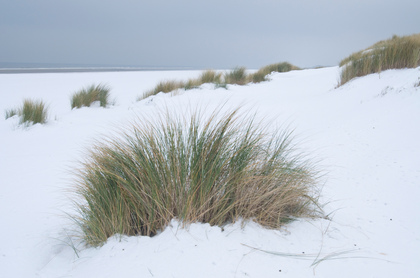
(365, 135)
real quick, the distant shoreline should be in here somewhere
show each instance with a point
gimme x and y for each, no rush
(76, 70)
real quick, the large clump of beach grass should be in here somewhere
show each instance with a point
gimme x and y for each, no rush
(395, 53)
(217, 170)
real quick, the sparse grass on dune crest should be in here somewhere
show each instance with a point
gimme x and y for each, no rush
(237, 76)
(395, 53)
(165, 87)
(216, 170)
(31, 112)
(208, 76)
(90, 94)
(261, 74)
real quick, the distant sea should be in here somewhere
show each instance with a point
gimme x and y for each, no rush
(10, 68)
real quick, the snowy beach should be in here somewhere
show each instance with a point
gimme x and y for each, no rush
(365, 135)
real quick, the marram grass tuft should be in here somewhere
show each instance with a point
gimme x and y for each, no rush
(31, 112)
(215, 170)
(90, 94)
(237, 76)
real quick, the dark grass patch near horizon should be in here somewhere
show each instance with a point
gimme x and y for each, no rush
(215, 170)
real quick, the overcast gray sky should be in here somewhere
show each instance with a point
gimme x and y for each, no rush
(199, 34)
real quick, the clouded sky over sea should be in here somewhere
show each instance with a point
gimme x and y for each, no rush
(198, 34)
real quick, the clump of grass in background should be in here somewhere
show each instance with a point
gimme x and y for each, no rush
(261, 74)
(395, 53)
(88, 95)
(279, 67)
(210, 76)
(216, 170)
(236, 76)
(31, 112)
(192, 84)
(258, 76)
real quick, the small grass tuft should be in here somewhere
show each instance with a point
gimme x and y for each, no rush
(31, 112)
(237, 76)
(210, 76)
(192, 84)
(279, 67)
(10, 113)
(215, 170)
(90, 94)
(395, 53)
(259, 76)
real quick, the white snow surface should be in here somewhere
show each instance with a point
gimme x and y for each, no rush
(365, 135)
